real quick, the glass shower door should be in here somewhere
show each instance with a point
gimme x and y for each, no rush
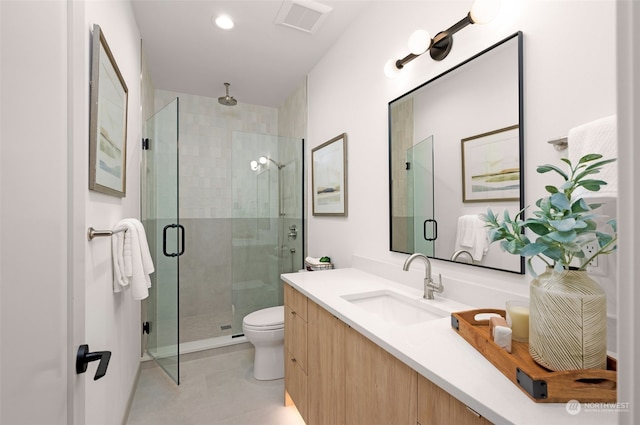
(421, 199)
(160, 219)
(267, 226)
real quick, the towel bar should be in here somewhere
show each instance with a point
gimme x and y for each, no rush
(560, 144)
(92, 233)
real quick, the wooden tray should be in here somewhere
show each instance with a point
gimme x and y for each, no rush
(540, 384)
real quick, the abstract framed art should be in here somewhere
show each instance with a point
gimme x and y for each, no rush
(329, 177)
(491, 166)
(108, 121)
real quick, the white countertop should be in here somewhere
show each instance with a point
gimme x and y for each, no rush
(436, 351)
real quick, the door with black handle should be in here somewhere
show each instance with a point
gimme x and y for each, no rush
(84, 357)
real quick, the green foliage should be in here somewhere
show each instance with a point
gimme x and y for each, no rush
(563, 225)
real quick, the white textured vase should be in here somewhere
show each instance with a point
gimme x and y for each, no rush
(568, 321)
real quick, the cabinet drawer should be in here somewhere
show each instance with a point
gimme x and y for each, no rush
(295, 336)
(295, 383)
(296, 300)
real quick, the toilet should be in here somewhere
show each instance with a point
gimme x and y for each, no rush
(265, 330)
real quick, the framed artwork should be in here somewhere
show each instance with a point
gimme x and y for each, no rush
(108, 121)
(329, 177)
(491, 166)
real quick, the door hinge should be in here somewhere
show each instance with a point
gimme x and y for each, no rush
(145, 144)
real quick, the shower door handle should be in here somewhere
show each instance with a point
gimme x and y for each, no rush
(164, 240)
(435, 229)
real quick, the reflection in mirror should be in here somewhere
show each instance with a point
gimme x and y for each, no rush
(455, 148)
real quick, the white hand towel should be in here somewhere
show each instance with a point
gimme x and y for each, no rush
(465, 236)
(599, 136)
(132, 259)
(147, 261)
(472, 236)
(117, 254)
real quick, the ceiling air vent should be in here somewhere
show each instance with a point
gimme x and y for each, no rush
(303, 15)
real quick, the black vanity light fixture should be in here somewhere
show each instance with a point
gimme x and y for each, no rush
(482, 12)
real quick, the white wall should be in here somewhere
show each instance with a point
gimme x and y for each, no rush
(33, 213)
(566, 84)
(628, 51)
(112, 320)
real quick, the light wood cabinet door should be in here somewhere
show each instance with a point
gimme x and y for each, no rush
(295, 325)
(295, 336)
(438, 407)
(325, 359)
(380, 389)
(296, 300)
(295, 384)
(295, 345)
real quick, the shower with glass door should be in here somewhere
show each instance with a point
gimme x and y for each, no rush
(224, 218)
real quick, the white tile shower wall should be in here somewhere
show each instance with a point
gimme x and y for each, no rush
(208, 200)
(206, 129)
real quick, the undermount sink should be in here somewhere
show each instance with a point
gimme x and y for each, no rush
(395, 307)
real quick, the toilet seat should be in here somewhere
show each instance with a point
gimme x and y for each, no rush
(267, 319)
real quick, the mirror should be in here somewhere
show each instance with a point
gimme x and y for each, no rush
(456, 148)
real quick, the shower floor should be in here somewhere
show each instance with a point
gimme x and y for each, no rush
(205, 326)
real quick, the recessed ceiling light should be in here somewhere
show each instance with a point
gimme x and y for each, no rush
(224, 22)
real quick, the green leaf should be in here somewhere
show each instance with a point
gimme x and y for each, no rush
(589, 157)
(603, 239)
(551, 189)
(592, 185)
(560, 201)
(563, 225)
(533, 249)
(538, 228)
(600, 163)
(553, 252)
(613, 223)
(562, 237)
(547, 167)
(580, 206)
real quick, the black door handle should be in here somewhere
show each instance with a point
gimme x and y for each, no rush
(164, 240)
(435, 229)
(84, 357)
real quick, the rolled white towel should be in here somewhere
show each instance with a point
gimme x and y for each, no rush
(314, 261)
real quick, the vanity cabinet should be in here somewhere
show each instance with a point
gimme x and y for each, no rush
(295, 346)
(336, 376)
(437, 407)
(326, 371)
(380, 389)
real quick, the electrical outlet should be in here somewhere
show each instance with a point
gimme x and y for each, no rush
(597, 266)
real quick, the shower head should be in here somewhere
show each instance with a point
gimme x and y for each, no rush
(263, 160)
(227, 100)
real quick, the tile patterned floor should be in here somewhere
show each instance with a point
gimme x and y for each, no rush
(214, 390)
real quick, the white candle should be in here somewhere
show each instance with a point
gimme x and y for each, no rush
(518, 320)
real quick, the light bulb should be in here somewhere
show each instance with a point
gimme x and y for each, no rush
(224, 22)
(254, 165)
(484, 11)
(390, 69)
(419, 42)
(263, 160)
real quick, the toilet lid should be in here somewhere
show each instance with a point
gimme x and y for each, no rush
(271, 317)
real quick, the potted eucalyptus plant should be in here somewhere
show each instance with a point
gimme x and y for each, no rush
(568, 319)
